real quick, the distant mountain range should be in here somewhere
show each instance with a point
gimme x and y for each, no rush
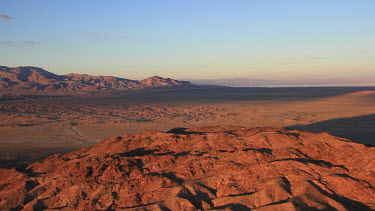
(37, 79)
(249, 82)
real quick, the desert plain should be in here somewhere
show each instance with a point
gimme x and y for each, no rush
(33, 127)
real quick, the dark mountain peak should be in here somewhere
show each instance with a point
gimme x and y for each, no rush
(76, 74)
(156, 77)
(35, 72)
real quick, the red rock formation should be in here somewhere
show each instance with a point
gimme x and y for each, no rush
(206, 168)
(33, 78)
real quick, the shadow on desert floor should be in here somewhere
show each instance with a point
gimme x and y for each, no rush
(214, 94)
(360, 128)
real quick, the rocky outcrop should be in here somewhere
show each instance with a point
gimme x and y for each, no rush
(206, 168)
(159, 81)
(37, 79)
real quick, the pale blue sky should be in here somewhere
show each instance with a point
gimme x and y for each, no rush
(192, 38)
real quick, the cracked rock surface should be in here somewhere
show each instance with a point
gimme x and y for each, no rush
(205, 168)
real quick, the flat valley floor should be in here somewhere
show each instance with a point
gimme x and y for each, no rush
(33, 127)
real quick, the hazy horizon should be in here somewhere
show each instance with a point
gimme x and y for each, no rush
(275, 40)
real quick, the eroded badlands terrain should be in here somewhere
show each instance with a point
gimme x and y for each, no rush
(204, 168)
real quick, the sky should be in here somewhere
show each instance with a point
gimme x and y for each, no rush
(264, 39)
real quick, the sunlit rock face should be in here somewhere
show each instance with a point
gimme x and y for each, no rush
(205, 168)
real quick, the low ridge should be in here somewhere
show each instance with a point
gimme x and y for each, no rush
(37, 79)
(206, 168)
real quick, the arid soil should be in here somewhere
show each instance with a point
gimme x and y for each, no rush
(35, 126)
(204, 168)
